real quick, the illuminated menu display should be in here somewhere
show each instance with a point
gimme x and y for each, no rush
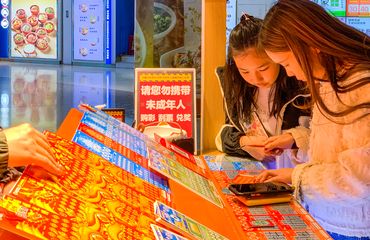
(88, 32)
(34, 29)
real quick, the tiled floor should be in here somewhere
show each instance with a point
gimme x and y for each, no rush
(43, 94)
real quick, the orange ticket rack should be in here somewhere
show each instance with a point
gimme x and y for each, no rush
(98, 199)
(224, 220)
(221, 220)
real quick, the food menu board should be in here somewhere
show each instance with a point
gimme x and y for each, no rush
(34, 29)
(88, 30)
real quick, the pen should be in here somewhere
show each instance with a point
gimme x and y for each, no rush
(251, 145)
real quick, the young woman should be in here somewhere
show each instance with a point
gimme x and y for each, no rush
(333, 59)
(257, 90)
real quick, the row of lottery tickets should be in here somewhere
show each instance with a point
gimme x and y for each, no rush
(143, 157)
(289, 221)
(94, 200)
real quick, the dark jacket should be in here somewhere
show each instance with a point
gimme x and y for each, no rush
(290, 119)
(7, 174)
(232, 131)
(3, 152)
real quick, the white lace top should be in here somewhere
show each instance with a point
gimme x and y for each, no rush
(263, 109)
(334, 185)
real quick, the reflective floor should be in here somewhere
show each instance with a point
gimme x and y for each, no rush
(43, 94)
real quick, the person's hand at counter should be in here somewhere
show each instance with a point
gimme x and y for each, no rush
(254, 145)
(27, 146)
(276, 144)
(278, 175)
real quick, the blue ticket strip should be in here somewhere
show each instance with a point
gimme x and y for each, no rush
(119, 160)
(117, 131)
(182, 175)
(228, 163)
(183, 223)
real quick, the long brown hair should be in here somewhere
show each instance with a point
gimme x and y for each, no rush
(238, 93)
(300, 26)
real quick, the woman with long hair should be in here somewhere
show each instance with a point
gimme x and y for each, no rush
(261, 101)
(333, 58)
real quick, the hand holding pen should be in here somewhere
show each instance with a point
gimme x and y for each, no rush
(275, 145)
(254, 145)
(261, 147)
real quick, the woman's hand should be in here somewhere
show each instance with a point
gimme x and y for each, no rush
(254, 145)
(276, 144)
(26, 146)
(278, 175)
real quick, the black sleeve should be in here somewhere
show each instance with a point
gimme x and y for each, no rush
(293, 113)
(3, 152)
(230, 137)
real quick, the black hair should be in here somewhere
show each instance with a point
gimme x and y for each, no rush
(238, 93)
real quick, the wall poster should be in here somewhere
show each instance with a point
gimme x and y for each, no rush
(34, 29)
(88, 30)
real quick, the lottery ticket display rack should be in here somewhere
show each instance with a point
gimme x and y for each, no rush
(119, 184)
(182, 198)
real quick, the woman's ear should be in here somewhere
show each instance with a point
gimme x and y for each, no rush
(315, 50)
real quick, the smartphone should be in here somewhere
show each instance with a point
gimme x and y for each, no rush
(256, 201)
(258, 190)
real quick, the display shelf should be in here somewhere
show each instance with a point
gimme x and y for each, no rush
(109, 199)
